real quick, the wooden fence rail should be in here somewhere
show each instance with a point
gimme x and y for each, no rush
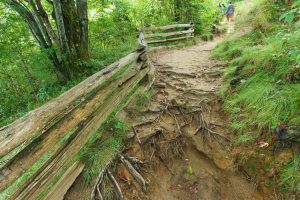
(186, 32)
(39, 148)
(38, 151)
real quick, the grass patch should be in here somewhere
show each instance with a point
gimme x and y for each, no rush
(243, 139)
(97, 155)
(207, 36)
(290, 178)
(143, 98)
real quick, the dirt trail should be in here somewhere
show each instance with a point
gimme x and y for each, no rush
(181, 135)
(187, 154)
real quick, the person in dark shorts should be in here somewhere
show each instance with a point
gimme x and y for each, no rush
(230, 12)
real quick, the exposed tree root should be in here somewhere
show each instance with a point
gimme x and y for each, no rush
(96, 189)
(131, 164)
(115, 184)
(133, 172)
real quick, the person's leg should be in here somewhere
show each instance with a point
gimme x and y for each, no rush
(232, 16)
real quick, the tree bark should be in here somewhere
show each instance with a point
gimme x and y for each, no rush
(83, 25)
(64, 46)
(46, 21)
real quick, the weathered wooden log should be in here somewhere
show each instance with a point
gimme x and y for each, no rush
(65, 182)
(133, 172)
(165, 27)
(115, 184)
(58, 132)
(169, 40)
(169, 34)
(36, 122)
(45, 175)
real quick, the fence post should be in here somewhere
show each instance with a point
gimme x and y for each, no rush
(142, 43)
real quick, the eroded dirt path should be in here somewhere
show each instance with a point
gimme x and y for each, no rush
(182, 133)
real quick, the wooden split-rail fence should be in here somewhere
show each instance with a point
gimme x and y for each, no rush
(170, 33)
(39, 152)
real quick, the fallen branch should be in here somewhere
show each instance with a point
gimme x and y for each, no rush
(162, 112)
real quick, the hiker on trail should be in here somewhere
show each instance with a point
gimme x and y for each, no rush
(230, 12)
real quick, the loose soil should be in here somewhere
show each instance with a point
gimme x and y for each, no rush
(182, 134)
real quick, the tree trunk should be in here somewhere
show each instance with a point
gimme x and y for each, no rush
(46, 21)
(64, 46)
(83, 25)
(71, 37)
(36, 31)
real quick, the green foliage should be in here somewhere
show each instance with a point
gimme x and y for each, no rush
(290, 178)
(207, 36)
(243, 139)
(291, 15)
(143, 98)
(204, 13)
(189, 170)
(264, 75)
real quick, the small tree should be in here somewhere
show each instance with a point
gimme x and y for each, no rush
(63, 34)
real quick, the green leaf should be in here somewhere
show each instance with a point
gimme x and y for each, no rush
(296, 3)
(289, 17)
(190, 170)
(282, 16)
